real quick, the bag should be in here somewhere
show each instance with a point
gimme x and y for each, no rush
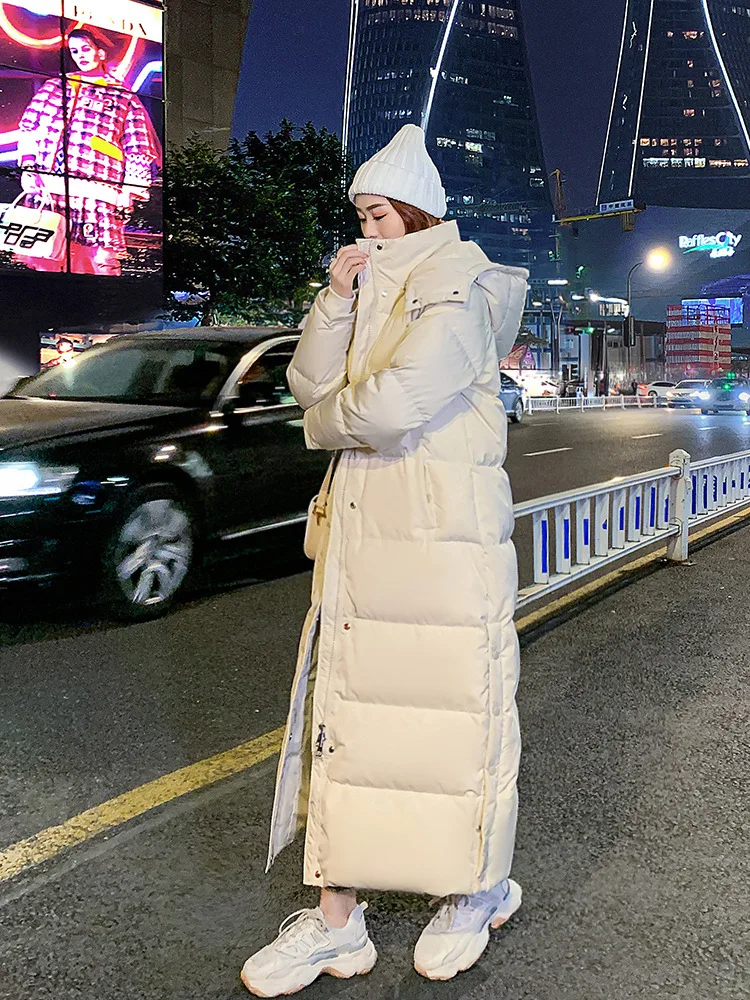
(317, 512)
(32, 232)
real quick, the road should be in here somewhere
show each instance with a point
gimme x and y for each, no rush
(91, 710)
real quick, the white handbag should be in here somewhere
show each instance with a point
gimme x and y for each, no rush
(33, 232)
(317, 512)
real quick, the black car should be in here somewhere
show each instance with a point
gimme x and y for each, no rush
(144, 456)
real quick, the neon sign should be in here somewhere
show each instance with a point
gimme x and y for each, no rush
(723, 244)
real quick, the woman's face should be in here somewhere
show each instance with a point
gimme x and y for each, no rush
(86, 56)
(379, 219)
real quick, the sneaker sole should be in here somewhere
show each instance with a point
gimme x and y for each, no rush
(442, 975)
(359, 963)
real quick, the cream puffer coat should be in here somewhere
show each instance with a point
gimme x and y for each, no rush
(415, 731)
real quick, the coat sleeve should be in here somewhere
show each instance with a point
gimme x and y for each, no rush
(318, 367)
(442, 353)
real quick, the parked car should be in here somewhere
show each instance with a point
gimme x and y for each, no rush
(722, 394)
(511, 394)
(685, 393)
(148, 454)
(656, 390)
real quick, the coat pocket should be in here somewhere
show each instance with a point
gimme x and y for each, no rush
(450, 486)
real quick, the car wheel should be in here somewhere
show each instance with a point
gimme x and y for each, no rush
(517, 414)
(150, 553)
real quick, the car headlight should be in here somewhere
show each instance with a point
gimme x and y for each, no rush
(30, 479)
(704, 395)
(669, 395)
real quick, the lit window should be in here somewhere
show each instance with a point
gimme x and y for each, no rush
(689, 112)
(690, 84)
(474, 147)
(645, 142)
(741, 163)
(692, 34)
(700, 161)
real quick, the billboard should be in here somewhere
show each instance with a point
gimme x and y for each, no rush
(734, 306)
(81, 136)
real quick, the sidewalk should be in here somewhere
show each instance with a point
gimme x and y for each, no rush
(632, 850)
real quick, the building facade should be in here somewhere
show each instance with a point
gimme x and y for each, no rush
(458, 68)
(205, 42)
(679, 128)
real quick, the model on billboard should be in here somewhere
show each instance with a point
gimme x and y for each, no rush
(108, 151)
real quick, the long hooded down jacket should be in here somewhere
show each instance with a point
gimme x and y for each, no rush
(415, 737)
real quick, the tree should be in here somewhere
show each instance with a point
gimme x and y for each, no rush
(248, 230)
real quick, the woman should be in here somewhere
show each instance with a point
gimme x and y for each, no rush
(402, 745)
(108, 151)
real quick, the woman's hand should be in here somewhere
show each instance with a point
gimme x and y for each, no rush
(346, 265)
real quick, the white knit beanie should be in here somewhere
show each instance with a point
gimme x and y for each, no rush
(403, 170)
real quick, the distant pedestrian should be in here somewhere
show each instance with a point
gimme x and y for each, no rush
(634, 387)
(402, 746)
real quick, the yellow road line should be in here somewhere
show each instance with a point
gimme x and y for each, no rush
(47, 844)
(54, 840)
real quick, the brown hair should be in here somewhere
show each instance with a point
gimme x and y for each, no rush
(98, 40)
(414, 218)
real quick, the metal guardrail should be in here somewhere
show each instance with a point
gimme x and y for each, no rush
(540, 404)
(586, 530)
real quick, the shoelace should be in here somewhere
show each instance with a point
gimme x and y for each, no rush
(457, 912)
(449, 916)
(303, 927)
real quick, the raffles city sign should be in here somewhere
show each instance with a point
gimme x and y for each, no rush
(721, 245)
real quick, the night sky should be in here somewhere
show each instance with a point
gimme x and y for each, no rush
(295, 62)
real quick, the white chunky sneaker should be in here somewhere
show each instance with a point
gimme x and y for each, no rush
(305, 948)
(459, 932)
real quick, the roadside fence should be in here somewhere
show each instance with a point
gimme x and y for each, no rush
(579, 532)
(539, 404)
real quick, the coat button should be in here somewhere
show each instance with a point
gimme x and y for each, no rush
(353, 505)
(347, 626)
(379, 246)
(384, 294)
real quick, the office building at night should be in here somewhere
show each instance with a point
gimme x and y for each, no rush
(679, 128)
(459, 69)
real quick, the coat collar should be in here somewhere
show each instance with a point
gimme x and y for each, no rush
(392, 261)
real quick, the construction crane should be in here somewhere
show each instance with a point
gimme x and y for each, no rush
(626, 209)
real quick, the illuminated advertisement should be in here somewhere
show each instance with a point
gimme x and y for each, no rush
(734, 306)
(81, 136)
(723, 244)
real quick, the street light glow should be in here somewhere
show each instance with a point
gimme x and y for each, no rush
(594, 297)
(658, 260)
(557, 281)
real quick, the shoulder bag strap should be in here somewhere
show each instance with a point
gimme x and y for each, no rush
(321, 501)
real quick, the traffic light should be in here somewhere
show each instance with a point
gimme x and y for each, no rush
(630, 332)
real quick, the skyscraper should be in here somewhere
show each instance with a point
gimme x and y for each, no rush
(459, 69)
(679, 129)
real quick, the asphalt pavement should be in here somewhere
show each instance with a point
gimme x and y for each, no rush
(633, 836)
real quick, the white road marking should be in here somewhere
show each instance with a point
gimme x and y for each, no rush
(552, 451)
(640, 437)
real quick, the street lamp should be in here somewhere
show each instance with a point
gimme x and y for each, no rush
(657, 259)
